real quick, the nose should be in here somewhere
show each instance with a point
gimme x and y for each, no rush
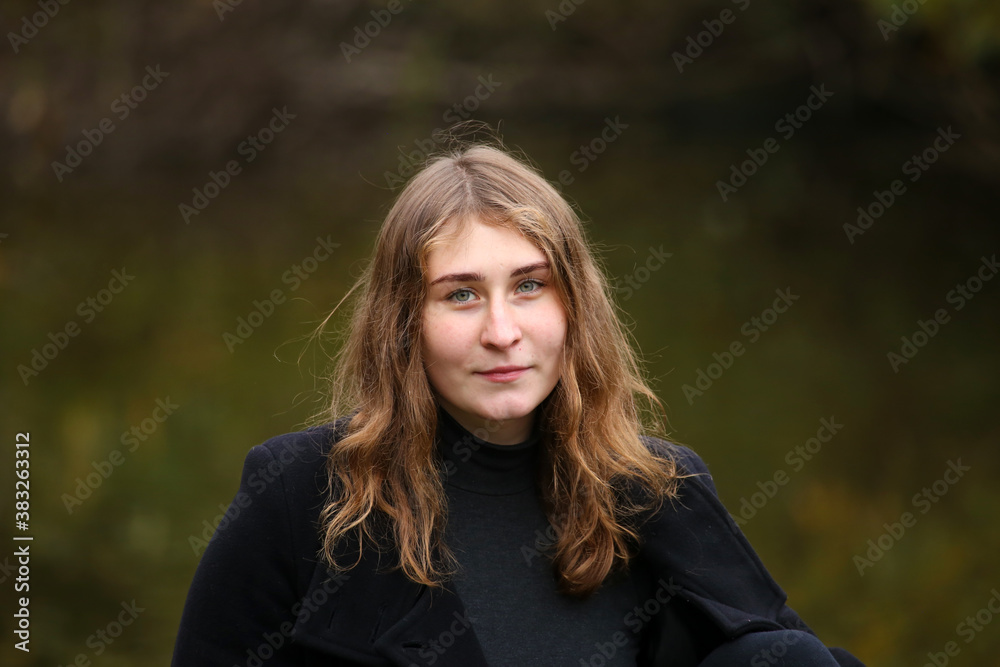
(501, 329)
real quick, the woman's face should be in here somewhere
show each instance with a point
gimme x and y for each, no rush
(490, 307)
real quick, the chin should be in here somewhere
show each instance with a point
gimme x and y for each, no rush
(508, 410)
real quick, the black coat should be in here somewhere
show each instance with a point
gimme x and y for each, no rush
(261, 597)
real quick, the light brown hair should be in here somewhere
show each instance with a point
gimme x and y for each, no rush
(384, 473)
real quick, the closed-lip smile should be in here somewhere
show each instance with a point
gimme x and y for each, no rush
(504, 374)
(503, 369)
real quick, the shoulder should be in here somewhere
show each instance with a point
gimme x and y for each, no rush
(313, 440)
(285, 479)
(292, 455)
(283, 488)
(689, 463)
(298, 448)
(263, 552)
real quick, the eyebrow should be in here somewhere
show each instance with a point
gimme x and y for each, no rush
(478, 277)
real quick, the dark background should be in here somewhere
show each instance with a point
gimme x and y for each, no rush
(62, 235)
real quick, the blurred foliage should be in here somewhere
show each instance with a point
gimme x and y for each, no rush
(654, 186)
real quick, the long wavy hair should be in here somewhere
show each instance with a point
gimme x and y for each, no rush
(597, 476)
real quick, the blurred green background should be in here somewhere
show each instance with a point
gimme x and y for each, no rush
(555, 80)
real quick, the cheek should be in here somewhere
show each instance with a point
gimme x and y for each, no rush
(444, 343)
(553, 329)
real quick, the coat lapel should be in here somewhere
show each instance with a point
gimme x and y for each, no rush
(370, 616)
(696, 542)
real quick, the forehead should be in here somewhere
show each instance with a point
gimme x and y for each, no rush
(473, 240)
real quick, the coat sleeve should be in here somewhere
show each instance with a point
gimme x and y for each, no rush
(704, 489)
(242, 601)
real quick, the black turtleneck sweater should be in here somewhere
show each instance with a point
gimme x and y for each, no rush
(498, 529)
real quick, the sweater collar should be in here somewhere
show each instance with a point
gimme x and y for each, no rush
(472, 464)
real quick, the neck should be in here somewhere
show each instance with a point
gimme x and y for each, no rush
(493, 431)
(477, 466)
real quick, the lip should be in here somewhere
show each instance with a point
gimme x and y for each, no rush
(504, 373)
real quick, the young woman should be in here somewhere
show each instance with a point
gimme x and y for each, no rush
(483, 491)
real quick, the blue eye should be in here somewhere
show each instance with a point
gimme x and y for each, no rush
(530, 281)
(460, 291)
(534, 282)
